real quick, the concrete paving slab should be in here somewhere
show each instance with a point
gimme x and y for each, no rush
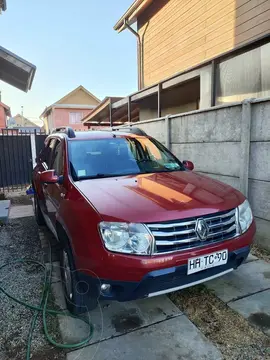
(113, 318)
(173, 339)
(59, 297)
(247, 279)
(251, 257)
(255, 308)
(4, 211)
(56, 275)
(21, 211)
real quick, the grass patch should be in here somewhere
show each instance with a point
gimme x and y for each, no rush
(260, 252)
(3, 196)
(234, 336)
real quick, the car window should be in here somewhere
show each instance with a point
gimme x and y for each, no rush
(119, 156)
(57, 158)
(46, 153)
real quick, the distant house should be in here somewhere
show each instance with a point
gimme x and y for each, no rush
(22, 124)
(70, 110)
(4, 113)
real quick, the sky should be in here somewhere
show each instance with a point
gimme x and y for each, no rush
(72, 43)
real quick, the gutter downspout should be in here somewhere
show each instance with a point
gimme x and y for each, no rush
(139, 52)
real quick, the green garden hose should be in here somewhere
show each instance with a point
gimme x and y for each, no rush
(42, 309)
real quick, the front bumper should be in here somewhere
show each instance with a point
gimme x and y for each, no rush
(166, 280)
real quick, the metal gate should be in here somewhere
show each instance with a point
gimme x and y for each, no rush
(16, 157)
(39, 139)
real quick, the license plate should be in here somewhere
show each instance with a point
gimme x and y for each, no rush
(207, 261)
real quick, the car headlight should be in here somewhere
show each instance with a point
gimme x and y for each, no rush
(126, 238)
(245, 216)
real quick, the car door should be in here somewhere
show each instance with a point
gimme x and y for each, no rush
(56, 192)
(43, 163)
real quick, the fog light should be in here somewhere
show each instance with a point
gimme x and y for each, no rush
(105, 287)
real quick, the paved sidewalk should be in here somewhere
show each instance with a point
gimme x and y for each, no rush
(21, 211)
(145, 329)
(151, 329)
(247, 291)
(171, 339)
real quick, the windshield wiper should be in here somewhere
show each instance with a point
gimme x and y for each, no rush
(99, 176)
(145, 160)
(167, 170)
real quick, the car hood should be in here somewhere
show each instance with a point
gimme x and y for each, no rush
(158, 196)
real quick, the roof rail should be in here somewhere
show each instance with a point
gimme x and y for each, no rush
(66, 130)
(132, 129)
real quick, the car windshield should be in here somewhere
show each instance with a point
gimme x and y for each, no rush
(119, 156)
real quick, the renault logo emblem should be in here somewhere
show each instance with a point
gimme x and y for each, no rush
(202, 229)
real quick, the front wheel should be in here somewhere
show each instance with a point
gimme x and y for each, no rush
(80, 298)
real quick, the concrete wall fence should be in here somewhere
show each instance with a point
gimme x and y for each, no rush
(230, 143)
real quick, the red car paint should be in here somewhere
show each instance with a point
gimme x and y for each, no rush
(80, 206)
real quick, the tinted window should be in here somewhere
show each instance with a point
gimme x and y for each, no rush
(57, 159)
(46, 154)
(119, 156)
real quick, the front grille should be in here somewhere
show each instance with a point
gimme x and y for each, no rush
(180, 235)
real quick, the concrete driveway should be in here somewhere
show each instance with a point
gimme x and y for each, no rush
(155, 328)
(150, 329)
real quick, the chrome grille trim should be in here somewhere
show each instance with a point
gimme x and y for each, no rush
(180, 235)
(167, 226)
(176, 242)
(232, 220)
(173, 233)
(186, 223)
(230, 213)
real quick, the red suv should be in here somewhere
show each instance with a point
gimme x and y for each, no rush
(132, 220)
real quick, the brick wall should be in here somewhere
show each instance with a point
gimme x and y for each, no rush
(179, 34)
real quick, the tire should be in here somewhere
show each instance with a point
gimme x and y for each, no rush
(80, 297)
(38, 214)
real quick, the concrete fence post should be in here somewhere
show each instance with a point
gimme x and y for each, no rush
(245, 145)
(167, 132)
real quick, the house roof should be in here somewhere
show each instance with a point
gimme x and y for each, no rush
(15, 70)
(103, 107)
(80, 87)
(60, 102)
(130, 16)
(24, 122)
(6, 108)
(3, 5)
(101, 115)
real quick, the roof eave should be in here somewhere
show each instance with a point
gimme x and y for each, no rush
(24, 70)
(130, 16)
(4, 5)
(45, 112)
(103, 105)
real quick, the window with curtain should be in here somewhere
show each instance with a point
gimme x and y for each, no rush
(75, 117)
(244, 76)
